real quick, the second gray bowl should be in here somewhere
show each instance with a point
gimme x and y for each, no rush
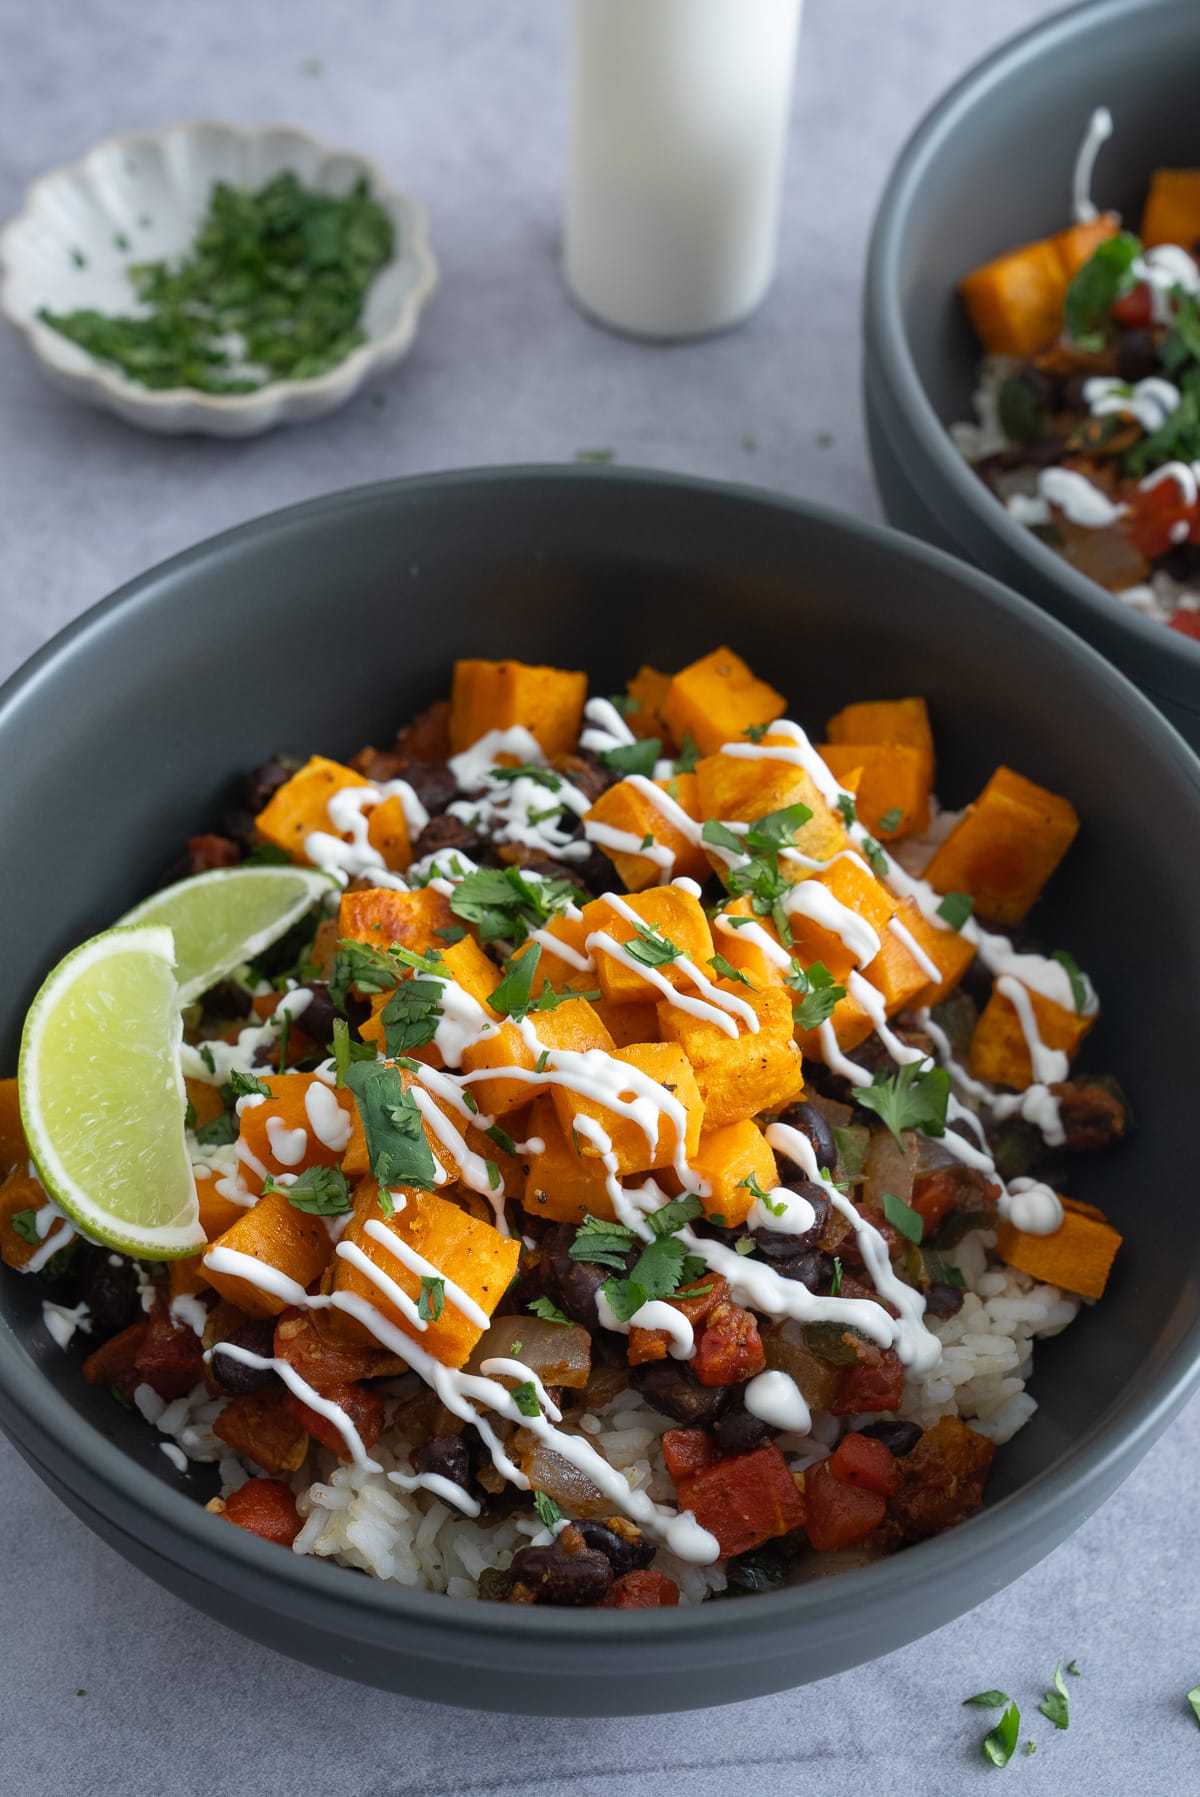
(988, 168)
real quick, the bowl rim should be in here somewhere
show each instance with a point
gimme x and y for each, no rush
(41, 339)
(887, 340)
(1049, 1505)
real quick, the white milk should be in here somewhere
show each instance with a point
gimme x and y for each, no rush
(679, 123)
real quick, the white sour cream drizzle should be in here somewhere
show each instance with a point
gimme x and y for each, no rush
(1150, 402)
(1100, 128)
(1078, 499)
(775, 1398)
(528, 810)
(1163, 268)
(349, 811)
(713, 1006)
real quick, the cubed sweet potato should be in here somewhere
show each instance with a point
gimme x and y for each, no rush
(661, 1064)
(999, 1052)
(892, 788)
(19, 1192)
(494, 695)
(1172, 209)
(299, 808)
(279, 1236)
(717, 699)
(950, 953)
(562, 1183)
(827, 911)
(647, 693)
(1005, 847)
(280, 1133)
(1016, 301)
(379, 916)
(726, 1159)
(743, 788)
(738, 1076)
(627, 808)
(12, 1136)
(674, 915)
(573, 1026)
(1078, 1257)
(895, 972)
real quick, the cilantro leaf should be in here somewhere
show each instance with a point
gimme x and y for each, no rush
(189, 1115)
(989, 1700)
(603, 1244)
(835, 1286)
(903, 1218)
(821, 993)
(955, 909)
(345, 1050)
(363, 966)
(548, 1511)
(846, 805)
(727, 971)
(1097, 286)
(891, 820)
(673, 1215)
(411, 1016)
(719, 837)
(777, 829)
(650, 947)
(1079, 990)
(245, 1085)
(397, 1149)
(432, 1300)
(623, 705)
(526, 1399)
(633, 758)
(1193, 1698)
(657, 1272)
(505, 902)
(547, 1310)
(512, 997)
(320, 1191)
(501, 1138)
(688, 756)
(543, 776)
(876, 856)
(450, 934)
(1000, 1742)
(756, 732)
(1056, 1704)
(549, 1000)
(24, 1225)
(908, 1099)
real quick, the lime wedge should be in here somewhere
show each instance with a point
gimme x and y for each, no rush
(226, 916)
(102, 1097)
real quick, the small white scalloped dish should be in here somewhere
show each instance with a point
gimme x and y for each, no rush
(141, 198)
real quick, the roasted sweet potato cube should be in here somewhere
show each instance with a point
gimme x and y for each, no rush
(626, 808)
(884, 721)
(850, 1023)
(469, 1254)
(1079, 243)
(495, 695)
(895, 972)
(573, 1025)
(264, 1507)
(944, 950)
(838, 917)
(1172, 210)
(1078, 1257)
(12, 1136)
(675, 915)
(380, 917)
(740, 1075)
(999, 1051)
(726, 1158)
(717, 699)
(628, 1023)
(653, 1064)
(260, 1425)
(742, 947)
(19, 1192)
(893, 778)
(1016, 301)
(562, 1183)
(217, 1213)
(278, 1235)
(647, 693)
(300, 807)
(559, 962)
(304, 1123)
(1005, 847)
(743, 788)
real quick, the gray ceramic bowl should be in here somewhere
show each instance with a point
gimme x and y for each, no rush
(990, 167)
(329, 624)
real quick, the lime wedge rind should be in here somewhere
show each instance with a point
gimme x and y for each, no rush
(227, 916)
(102, 1094)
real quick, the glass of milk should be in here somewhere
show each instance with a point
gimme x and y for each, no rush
(679, 125)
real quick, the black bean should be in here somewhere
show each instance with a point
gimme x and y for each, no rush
(670, 1386)
(813, 1123)
(943, 1300)
(622, 1555)
(587, 773)
(433, 784)
(898, 1438)
(738, 1432)
(265, 780)
(814, 1270)
(110, 1290)
(448, 1456)
(226, 1002)
(575, 1282)
(970, 1129)
(1137, 356)
(445, 835)
(257, 1335)
(316, 1019)
(552, 1575)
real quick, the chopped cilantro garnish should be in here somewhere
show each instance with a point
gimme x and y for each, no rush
(1079, 990)
(320, 1191)
(432, 1299)
(845, 804)
(648, 840)
(689, 755)
(539, 1066)
(720, 837)
(955, 909)
(1193, 1698)
(219, 1132)
(650, 947)
(756, 732)
(526, 1399)
(397, 1149)
(246, 1085)
(777, 829)
(777, 1207)
(727, 971)
(1073, 1668)
(468, 1098)
(501, 1138)
(547, 1310)
(1056, 1704)
(345, 1050)
(493, 1173)
(633, 758)
(189, 1115)
(411, 1016)
(891, 820)
(903, 1218)
(450, 934)
(548, 1511)
(24, 1224)
(821, 993)
(623, 705)
(513, 996)
(835, 1284)
(543, 776)
(989, 1700)
(876, 856)
(1095, 289)
(549, 1000)
(206, 1055)
(603, 1244)
(909, 1099)
(507, 903)
(1000, 1742)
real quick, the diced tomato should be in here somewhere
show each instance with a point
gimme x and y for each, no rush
(320, 1359)
(730, 1348)
(647, 1590)
(1187, 623)
(838, 1515)
(647, 1344)
(655, 1344)
(946, 1189)
(1135, 309)
(744, 1501)
(361, 1403)
(260, 1425)
(874, 1385)
(170, 1358)
(687, 1451)
(204, 852)
(861, 1460)
(1159, 517)
(114, 1363)
(264, 1507)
